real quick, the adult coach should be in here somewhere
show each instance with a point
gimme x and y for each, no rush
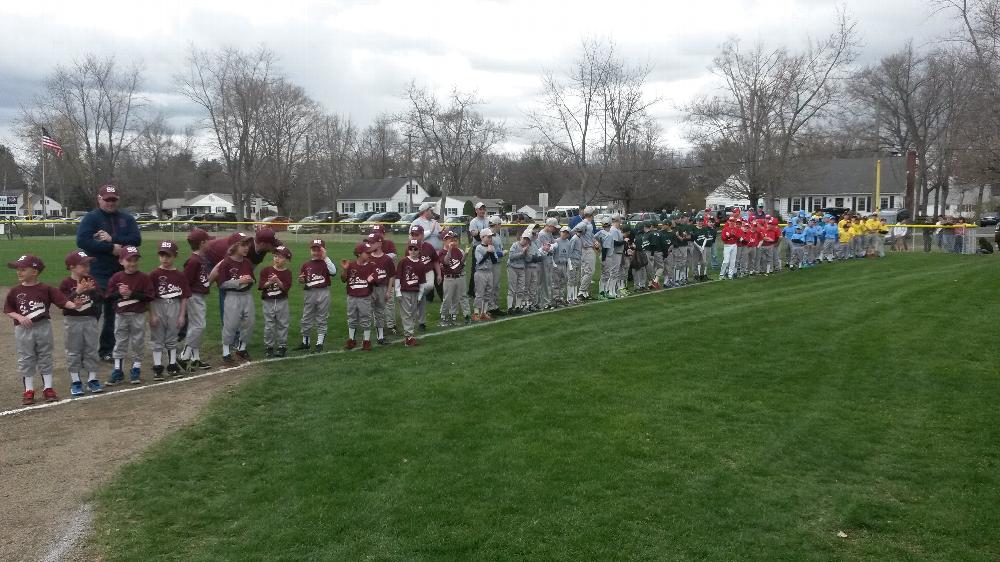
(103, 233)
(477, 224)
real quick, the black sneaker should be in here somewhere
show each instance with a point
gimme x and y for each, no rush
(173, 369)
(318, 348)
(157, 372)
(498, 312)
(184, 363)
(423, 327)
(198, 364)
(268, 352)
(243, 354)
(304, 346)
(383, 341)
(468, 320)
(228, 360)
(281, 352)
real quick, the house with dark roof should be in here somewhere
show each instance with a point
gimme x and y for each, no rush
(835, 182)
(399, 194)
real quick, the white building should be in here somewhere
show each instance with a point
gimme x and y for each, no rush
(201, 203)
(455, 204)
(14, 203)
(533, 212)
(402, 195)
(963, 201)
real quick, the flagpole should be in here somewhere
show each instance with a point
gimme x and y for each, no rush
(45, 212)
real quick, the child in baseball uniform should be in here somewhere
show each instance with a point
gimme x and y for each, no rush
(411, 271)
(130, 290)
(575, 263)
(452, 260)
(81, 329)
(27, 304)
(275, 281)
(388, 247)
(485, 257)
(196, 270)
(798, 241)
(234, 274)
(560, 268)
(496, 228)
(730, 239)
(166, 311)
(359, 275)
(384, 287)
(517, 291)
(432, 267)
(315, 278)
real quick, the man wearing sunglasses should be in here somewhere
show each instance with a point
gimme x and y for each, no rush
(103, 233)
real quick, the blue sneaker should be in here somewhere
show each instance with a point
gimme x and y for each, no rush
(94, 386)
(76, 389)
(133, 376)
(117, 376)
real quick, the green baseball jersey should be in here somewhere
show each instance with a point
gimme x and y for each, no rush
(682, 233)
(705, 236)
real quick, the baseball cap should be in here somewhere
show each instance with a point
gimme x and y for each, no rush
(77, 257)
(416, 229)
(449, 234)
(413, 245)
(551, 221)
(131, 252)
(564, 229)
(265, 236)
(373, 237)
(424, 206)
(378, 228)
(495, 219)
(480, 205)
(199, 235)
(27, 260)
(527, 233)
(238, 238)
(284, 252)
(588, 210)
(109, 192)
(167, 247)
(362, 248)
(485, 232)
(317, 243)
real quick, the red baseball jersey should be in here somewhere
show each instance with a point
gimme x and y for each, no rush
(384, 269)
(196, 270)
(232, 269)
(32, 301)
(169, 284)
(452, 261)
(411, 274)
(142, 291)
(315, 274)
(87, 303)
(272, 292)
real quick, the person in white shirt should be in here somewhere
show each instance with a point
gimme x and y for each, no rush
(432, 228)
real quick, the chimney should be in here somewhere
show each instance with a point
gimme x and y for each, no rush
(909, 199)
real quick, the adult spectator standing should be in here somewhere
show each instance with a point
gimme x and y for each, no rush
(103, 233)
(477, 223)
(575, 219)
(432, 228)
(589, 254)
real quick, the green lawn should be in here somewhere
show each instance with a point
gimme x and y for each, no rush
(741, 420)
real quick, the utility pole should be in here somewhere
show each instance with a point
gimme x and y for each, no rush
(308, 179)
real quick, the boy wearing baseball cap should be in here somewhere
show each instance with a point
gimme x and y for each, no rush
(234, 275)
(486, 257)
(275, 281)
(432, 267)
(517, 295)
(197, 268)
(497, 242)
(411, 272)
(315, 278)
(27, 304)
(389, 249)
(384, 286)
(453, 301)
(166, 313)
(560, 268)
(81, 330)
(359, 275)
(130, 290)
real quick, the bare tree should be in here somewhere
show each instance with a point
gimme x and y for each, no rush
(153, 150)
(457, 136)
(287, 118)
(232, 87)
(335, 142)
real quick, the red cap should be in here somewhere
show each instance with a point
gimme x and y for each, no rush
(362, 248)
(167, 247)
(131, 252)
(27, 260)
(77, 257)
(374, 237)
(199, 235)
(266, 236)
(317, 243)
(283, 251)
(416, 229)
(109, 192)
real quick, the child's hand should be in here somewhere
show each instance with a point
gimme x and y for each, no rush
(84, 285)
(70, 305)
(180, 321)
(344, 264)
(302, 278)
(24, 321)
(124, 290)
(322, 253)
(244, 279)
(153, 321)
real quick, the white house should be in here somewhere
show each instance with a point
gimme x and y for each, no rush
(200, 203)
(532, 211)
(15, 203)
(963, 201)
(402, 195)
(455, 204)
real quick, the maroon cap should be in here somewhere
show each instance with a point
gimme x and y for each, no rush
(378, 228)
(374, 237)
(317, 243)
(413, 245)
(131, 252)
(416, 229)
(109, 192)
(283, 251)
(78, 257)
(167, 247)
(362, 248)
(266, 236)
(238, 238)
(449, 234)
(199, 235)
(27, 260)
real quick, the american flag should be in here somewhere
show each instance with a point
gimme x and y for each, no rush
(51, 143)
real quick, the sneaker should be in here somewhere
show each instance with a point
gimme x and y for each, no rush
(134, 376)
(243, 354)
(76, 389)
(475, 318)
(423, 327)
(318, 348)
(228, 360)
(468, 320)
(174, 370)
(184, 363)
(411, 342)
(199, 365)
(281, 352)
(486, 317)
(157, 372)
(444, 324)
(94, 386)
(366, 346)
(28, 398)
(304, 346)
(117, 376)
(50, 395)
(351, 344)
(268, 352)
(383, 341)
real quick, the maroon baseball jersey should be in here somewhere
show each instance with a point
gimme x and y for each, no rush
(232, 269)
(32, 301)
(360, 277)
(196, 270)
(411, 274)
(142, 291)
(315, 275)
(218, 249)
(87, 303)
(384, 269)
(428, 255)
(452, 261)
(388, 247)
(271, 292)
(169, 284)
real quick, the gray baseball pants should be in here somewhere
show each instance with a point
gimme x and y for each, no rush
(560, 281)
(239, 318)
(130, 335)
(81, 336)
(484, 289)
(34, 348)
(379, 306)
(532, 277)
(315, 312)
(195, 321)
(275, 322)
(587, 270)
(517, 294)
(359, 312)
(163, 336)
(408, 310)
(453, 289)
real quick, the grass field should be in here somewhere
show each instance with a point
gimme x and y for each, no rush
(752, 419)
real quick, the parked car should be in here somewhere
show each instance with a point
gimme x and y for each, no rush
(277, 223)
(309, 225)
(215, 221)
(386, 217)
(330, 216)
(989, 218)
(402, 226)
(456, 223)
(635, 218)
(520, 218)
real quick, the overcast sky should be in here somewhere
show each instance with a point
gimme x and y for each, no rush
(356, 57)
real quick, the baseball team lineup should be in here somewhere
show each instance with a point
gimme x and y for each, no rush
(111, 306)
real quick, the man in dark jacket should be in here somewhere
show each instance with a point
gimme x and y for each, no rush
(103, 233)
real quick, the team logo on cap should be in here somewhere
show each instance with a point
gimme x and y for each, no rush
(165, 245)
(131, 249)
(82, 254)
(317, 242)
